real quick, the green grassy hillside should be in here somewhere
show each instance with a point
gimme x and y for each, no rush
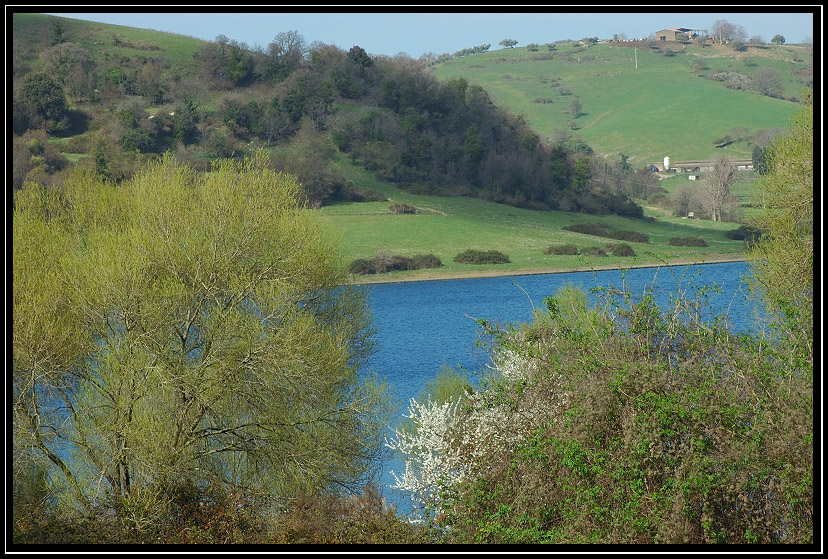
(664, 107)
(447, 226)
(109, 45)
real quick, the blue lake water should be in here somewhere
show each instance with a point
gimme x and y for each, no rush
(428, 324)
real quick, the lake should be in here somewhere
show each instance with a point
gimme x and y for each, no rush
(428, 324)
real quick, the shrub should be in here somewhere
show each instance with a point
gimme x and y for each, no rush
(629, 236)
(687, 242)
(624, 424)
(472, 256)
(426, 261)
(567, 249)
(586, 229)
(383, 263)
(361, 266)
(744, 233)
(403, 209)
(621, 249)
(357, 519)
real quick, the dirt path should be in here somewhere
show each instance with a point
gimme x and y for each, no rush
(599, 117)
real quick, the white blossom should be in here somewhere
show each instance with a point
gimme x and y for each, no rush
(432, 463)
(446, 444)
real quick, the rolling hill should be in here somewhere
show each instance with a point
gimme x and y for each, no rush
(666, 106)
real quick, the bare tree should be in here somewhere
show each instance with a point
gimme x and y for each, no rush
(725, 31)
(716, 185)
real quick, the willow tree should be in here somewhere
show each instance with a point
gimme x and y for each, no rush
(186, 329)
(784, 257)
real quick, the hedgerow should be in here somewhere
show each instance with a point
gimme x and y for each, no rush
(687, 242)
(472, 256)
(384, 263)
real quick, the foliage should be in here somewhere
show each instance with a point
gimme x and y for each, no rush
(403, 209)
(586, 229)
(687, 242)
(186, 327)
(744, 233)
(621, 249)
(599, 231)
(474, 256)
(783, 258)
(45, 100)
(384, 263)
(565, 248)
(623, 423)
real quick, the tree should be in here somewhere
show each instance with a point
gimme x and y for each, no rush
(43, 95)
(286, 53)
(508, 43)
(768, 81)
(185, 330)
(784, 256)
(716, 185)
(72, 65)
(724, 31)
(778, 40)
(761, 159)
(575, 107)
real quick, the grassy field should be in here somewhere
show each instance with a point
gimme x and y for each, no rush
(662, 108)
(36, 31)
(447, 226)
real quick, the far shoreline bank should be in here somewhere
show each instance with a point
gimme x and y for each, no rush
(431, 274)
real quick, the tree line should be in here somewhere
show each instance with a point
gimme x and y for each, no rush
(387, 114)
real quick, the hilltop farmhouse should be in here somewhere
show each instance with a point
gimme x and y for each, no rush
(680, 34)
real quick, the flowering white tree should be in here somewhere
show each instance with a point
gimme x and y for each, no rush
(444, 443)
(432, 463)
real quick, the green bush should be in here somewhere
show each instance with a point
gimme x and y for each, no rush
(426, 261)
(586, 229)
(687, 242)
(744, 233)
(472, 256)
(390, 263)
(629, 236)
(403, 209)
(563, 249)
(599, 231)
(621, 249)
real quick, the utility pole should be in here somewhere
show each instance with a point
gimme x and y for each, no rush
(635, 50)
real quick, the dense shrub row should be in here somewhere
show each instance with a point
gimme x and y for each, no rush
(562, 249)
(212, 517)
(744, 233)
(687, 242)
(599, 231)
(472, 256)
(620, 249)
(390, 263)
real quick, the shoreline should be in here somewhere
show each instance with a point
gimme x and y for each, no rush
(494, 273)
